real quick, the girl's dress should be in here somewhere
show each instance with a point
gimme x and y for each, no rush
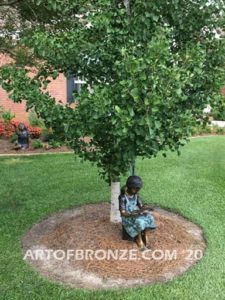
(134, 225)
(23, 137)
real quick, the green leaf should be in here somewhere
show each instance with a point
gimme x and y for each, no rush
(134, 93)
(131, 111)
(179, 91)
(155, 109)
(157, 124)
(117, 109)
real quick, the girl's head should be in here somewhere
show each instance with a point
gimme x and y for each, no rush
(21, 126)
(134, 184)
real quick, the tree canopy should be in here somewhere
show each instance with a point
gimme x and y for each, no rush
(150, 67)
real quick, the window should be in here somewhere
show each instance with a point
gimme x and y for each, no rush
(73, 84)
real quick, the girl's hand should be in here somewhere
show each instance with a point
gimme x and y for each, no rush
(147, 207)
(144, 212)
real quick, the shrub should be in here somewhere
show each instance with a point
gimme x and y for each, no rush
(219, 114)
(8, 130)
(37, 144)
(1, 129)
(220, 130)
(55, 144)
(200, 129)
(207, 129)
(13, 138)
(46, 135)
(6, 116)
(35, 121)
(35, 132)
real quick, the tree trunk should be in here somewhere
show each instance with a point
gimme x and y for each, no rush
(114, 212)
(132, 167)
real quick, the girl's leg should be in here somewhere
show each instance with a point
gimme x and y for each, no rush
(145, 238)
(139, 241)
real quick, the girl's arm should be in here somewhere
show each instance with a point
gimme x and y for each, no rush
(125, 213)
(141, 205)
(122, 208)
(139, 202)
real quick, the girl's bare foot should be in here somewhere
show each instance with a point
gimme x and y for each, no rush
(145, 239)
(139, 242)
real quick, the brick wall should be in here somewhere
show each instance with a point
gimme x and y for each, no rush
(57, 89)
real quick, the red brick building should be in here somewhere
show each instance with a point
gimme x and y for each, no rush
(60, 89)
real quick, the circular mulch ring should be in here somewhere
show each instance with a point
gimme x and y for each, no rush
(81, 248)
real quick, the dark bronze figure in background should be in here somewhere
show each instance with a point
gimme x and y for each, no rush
(23, 137)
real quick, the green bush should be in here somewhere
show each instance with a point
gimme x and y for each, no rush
(218, 114)
(37, 144)
(6, 115)
(200, 130)
(220, 130)
(34, 120)
(13, 138)
(207, 129)
(55, 144)
(46, 135)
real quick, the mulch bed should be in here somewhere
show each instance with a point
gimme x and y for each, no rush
(7, 148)
(88, 227)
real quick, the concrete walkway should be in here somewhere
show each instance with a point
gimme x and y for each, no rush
(33, 154)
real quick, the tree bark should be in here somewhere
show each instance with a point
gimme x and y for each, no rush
(114, 211)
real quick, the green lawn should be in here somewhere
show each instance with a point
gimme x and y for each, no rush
(192, 184)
